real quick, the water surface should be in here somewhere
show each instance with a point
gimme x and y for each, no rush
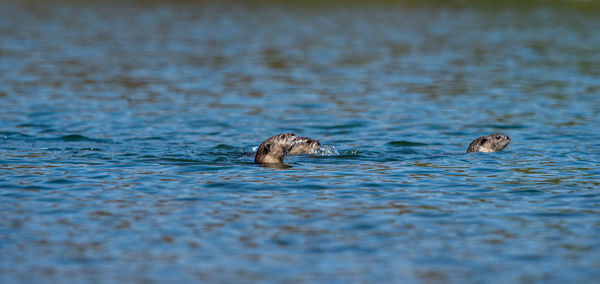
(125, 130)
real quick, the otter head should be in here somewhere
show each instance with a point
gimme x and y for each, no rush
(489, 143)
(274, 149)
(305, 145)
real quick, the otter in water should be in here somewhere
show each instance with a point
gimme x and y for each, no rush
(489, 143)
(274, 149)
(305, 145)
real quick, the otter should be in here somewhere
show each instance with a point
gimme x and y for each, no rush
(489, 143)
(274, 149)
(305, 145)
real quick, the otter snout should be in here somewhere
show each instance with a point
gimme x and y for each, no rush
(305, 145)
(490, 143)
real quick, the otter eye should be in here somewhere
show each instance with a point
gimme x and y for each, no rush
(498, 137)
(483, 140)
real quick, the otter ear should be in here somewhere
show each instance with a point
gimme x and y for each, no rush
(482, 141)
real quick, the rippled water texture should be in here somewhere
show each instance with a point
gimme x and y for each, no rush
(125, 132)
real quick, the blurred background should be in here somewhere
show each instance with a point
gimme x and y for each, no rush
(127, 129)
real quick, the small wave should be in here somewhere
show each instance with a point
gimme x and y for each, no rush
(348, 125)
(60, 181)
(225, 147)
(6, 134)
(182, 160)
(146, 138)
(33, 125)
(405, 143)
(499, 126)
(79, 138)
(74, 137)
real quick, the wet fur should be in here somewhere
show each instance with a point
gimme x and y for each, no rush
(489, 143)
(274, 149)
(305, 145)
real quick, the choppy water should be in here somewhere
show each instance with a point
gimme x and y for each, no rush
(124, 130)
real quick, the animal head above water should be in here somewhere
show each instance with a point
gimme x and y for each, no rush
(489, 143)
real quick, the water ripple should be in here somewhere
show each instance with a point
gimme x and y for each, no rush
(126, 155)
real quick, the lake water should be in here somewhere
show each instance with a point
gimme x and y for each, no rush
(125, 132)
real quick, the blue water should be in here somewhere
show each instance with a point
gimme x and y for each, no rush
(125, 130)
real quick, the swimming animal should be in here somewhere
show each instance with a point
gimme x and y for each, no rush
(274, 149)
(305, 145)
(489, 143)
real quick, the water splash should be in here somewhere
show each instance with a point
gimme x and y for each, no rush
(327, 150)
